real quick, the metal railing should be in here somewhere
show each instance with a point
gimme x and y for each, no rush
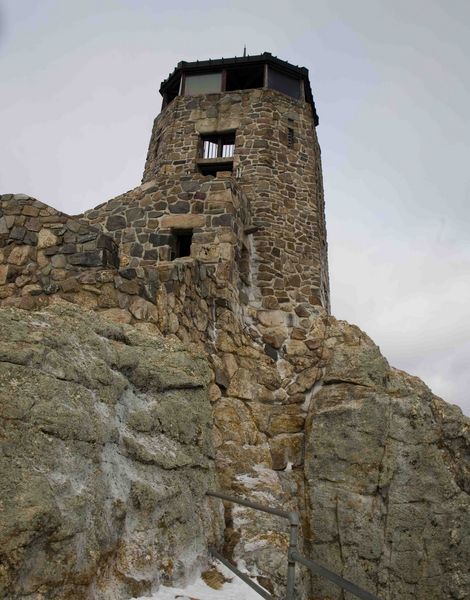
(293, 556)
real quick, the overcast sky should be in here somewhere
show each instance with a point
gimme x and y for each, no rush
(79, 91)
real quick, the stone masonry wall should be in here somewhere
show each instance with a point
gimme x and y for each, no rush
(142, 220)
(280, 174)
(44, 251)
(48, 257)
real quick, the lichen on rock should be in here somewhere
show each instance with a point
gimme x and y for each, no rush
(106, 456)
(387, 469)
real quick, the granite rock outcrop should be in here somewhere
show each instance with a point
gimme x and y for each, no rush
(387, 478)
(106, 455)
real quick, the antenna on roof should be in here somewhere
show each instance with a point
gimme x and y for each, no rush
(244, 51)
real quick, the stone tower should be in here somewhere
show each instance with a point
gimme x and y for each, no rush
(269, 398)
(252, 120)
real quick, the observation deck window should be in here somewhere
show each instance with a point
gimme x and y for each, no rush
(284, 83)
(205, 83)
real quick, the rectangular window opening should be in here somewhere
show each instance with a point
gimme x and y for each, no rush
(218, 145)
(181, 245)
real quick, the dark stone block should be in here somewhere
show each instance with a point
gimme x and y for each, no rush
(18, 233)
(150, 290)
(197, 207)
(134, 213)
(13, 273)
(160, 239)
(222, 220)
(69, 248)
(111, 258)
(115, 222)
(52, 250)
(31, 238)
(48, 286)
(128, 273)
(33, 224)
(70, 238)
(151, 254)
(128, 237)
(87, 237)
(270, 351)
(222, 302)
(221, 378)
(136, 250)
(86, 259)
(104, 241)
(179, 207)
(128, 286)
(73, 225)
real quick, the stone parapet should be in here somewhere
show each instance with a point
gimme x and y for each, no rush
(43, 250)
(143, 221)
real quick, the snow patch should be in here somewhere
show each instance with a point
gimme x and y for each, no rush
(233, 589)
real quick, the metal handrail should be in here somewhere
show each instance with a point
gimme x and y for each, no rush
(294, 521)
(292, 517)
(261, 591)
(333, 577)
(293, 555)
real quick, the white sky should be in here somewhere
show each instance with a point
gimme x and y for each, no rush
(79, 90)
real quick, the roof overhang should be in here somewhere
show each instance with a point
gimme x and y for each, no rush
(202, 66)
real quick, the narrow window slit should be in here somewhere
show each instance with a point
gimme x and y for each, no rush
(290, 137)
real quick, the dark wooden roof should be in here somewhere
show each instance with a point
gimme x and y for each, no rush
(202, 66)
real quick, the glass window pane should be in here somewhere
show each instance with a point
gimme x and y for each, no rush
(228, 150)
(283, 83)
(208, 83)
(210, 149)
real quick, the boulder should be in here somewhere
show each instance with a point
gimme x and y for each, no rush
(106, 456)
(387, 469)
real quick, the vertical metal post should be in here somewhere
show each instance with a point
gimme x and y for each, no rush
(293, 538)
